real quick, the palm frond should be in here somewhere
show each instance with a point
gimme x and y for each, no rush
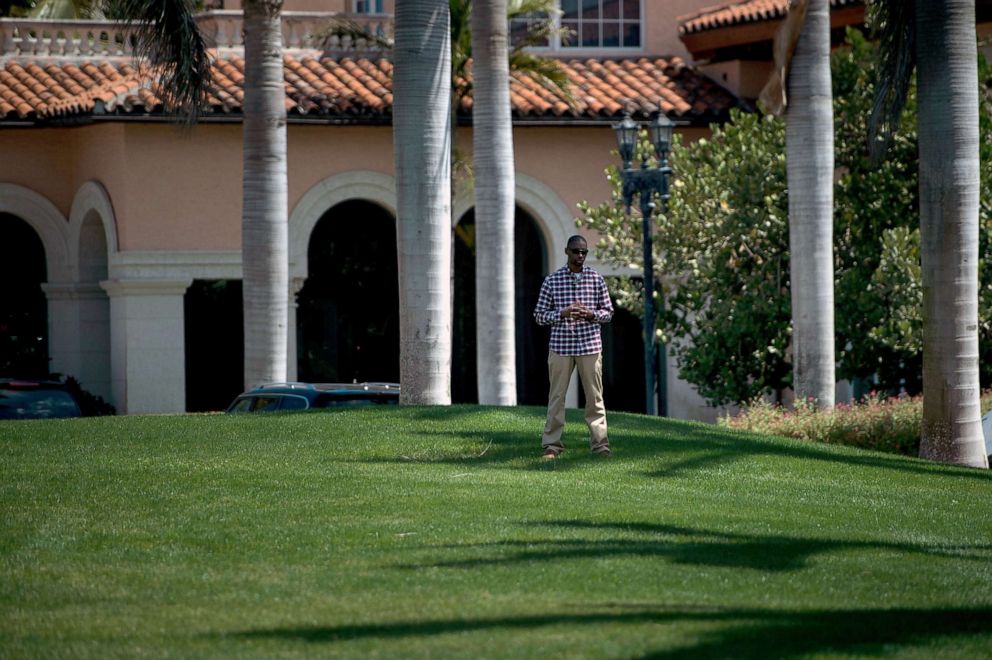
(549, 73)
(461, 36)
(356, 33)
(541, 29)
(65, 9)
(166, 34)
(515, 8)
(893, 22)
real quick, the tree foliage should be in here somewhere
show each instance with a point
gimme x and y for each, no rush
(721, 254)
(722, 248)
(880, 291)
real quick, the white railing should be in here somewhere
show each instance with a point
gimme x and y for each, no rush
(301, 30)
(58, 38)
(222, 29)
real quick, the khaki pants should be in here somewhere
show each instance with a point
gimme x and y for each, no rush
(560, 368)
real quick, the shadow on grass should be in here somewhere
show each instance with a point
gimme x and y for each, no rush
(684, 545)
(681, 448)
(742, 633)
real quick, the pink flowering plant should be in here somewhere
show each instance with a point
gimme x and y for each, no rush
(876, 422)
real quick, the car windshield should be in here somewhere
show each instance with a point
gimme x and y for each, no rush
(268, 403)
(37, 404)
(242, 405)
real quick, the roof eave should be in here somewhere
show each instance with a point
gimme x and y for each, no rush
(704, 44)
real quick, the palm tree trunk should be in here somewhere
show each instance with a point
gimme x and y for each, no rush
(810, 171)
(492, 148)
(949, 186)
(422, 98)
(264, 220)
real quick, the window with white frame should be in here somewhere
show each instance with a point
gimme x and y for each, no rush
(608, 24)
(368, 6)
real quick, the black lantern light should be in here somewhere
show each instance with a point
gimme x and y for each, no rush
(660, 131)
(648, 183)
(626, 138)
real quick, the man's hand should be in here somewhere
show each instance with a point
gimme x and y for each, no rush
(577, 311)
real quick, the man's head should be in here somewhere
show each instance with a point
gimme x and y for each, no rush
(576, 251)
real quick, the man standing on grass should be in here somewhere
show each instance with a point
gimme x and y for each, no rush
(574, 301)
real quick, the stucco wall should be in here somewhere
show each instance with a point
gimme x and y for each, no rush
(182, 191)
(176, 198)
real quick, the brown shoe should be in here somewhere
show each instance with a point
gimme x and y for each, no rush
(603, 453)
(550, 455)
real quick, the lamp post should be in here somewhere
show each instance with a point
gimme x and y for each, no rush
(647, 181)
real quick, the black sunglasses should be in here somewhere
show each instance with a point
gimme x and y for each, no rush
(579, 251)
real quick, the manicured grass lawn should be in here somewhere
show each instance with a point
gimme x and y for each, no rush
(427, 532)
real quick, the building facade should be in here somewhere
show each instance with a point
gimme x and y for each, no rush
(126, 259)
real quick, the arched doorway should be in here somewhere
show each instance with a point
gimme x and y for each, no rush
(348, 311)
(23, 307)
(530, 257)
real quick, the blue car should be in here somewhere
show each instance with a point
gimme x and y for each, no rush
(36, 399)
(303, 396)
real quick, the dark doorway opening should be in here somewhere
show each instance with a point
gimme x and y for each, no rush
(532, 339)
(23, 306)
(348, 313)
(214, 334)
(623, 362)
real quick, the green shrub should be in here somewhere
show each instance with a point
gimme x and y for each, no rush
(883, 424)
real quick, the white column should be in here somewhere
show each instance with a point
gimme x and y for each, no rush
(79, 334)
(148, 349)
(292, 359)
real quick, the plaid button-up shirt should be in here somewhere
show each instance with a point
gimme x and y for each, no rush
(563, 288)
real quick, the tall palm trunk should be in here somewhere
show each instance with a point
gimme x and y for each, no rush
(492, 148)
(422, 98)
(264, 220)
(949, 186)
(810, 169)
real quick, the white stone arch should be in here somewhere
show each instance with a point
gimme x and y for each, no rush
(554, 219)
(91, 197)
(79, 309)
(360, 184)
(49, 223)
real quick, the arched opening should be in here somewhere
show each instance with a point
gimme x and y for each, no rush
(348, 311)
(23, 307)
(530, 257)
(92, 249)
(94, 309)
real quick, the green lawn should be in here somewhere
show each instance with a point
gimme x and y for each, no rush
(439, 532)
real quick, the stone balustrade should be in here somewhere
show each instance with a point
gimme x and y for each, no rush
(222, 29)
(60, 38)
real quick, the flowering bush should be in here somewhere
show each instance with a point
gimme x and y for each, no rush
(890, 425)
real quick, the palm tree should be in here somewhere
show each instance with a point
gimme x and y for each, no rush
(264, 219)
(495, 322)
(940, 36)
(492, 147)
(809, 140)
(947, 98)
(421, 116)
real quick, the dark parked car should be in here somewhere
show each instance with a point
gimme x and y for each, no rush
(301, 396)
(36, 399)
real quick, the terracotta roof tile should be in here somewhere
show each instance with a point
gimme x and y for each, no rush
(361, 90)
(741, 12)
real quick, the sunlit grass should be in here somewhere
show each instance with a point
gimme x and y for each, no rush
(434, 532)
